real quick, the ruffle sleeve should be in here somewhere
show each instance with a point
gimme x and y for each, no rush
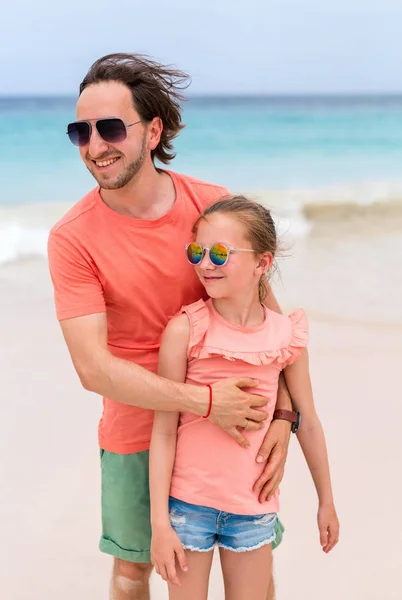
(282, 356)
(198, 315)
(298, 338)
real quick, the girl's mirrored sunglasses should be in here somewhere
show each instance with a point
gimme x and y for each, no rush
(112, 131)
(218, 253)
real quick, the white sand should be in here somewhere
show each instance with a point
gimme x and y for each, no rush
(49, 488)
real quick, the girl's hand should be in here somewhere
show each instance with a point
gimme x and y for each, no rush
(165, 547)
(328, 526)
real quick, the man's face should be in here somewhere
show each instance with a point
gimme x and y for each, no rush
(112, 165)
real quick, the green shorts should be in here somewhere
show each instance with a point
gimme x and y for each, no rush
(126, 527)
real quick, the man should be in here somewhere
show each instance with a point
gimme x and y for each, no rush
(119, 271)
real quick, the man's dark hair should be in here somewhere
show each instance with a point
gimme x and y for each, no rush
(156, 90)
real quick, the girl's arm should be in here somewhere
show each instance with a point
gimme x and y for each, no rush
(312, 441)
(172, 365)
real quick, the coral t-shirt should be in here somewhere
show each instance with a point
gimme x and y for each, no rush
(136, 271)
(210, 468)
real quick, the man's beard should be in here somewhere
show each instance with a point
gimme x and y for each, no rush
(124, 178)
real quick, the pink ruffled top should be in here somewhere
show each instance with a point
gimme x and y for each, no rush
(211, 469)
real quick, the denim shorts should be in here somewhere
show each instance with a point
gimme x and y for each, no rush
(200, 528)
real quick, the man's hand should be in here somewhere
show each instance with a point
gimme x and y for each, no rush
(274, 450)
(233, 408)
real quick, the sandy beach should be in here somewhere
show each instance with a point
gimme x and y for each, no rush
(348, 280)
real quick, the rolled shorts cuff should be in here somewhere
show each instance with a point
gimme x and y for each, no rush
(279, 531)
(126, 526)
(110, 547)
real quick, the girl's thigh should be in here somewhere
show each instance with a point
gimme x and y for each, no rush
(247, 574)
(194, 582)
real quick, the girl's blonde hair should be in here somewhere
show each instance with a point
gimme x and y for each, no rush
(258, 223)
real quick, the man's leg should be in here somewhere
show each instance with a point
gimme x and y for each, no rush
(279, 529)
(130, 581)
(126, 527)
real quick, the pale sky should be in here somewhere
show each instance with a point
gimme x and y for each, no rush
(253, 46)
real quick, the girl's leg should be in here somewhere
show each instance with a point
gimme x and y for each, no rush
(271, 589)
(247, 575)
(194, 582)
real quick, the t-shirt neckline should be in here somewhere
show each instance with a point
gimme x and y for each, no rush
(138, 222)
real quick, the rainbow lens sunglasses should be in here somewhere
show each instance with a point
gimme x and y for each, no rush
(112, 131)
(218, 253)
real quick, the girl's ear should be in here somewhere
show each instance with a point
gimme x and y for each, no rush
(265, 261)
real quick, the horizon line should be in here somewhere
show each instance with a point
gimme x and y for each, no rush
(214, 95)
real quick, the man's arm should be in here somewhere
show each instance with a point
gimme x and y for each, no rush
(81, 310)
(123, 381)
(128, 383)
(274, 449)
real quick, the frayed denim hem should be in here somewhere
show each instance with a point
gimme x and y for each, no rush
(193, 549)
(241, 549)
(250, 548)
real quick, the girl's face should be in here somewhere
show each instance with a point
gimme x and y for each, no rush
(242, 271)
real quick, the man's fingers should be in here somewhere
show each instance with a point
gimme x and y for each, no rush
(256, 400)
(270, 486)
(246, 382)
(274, 467)
(273, 489)
(272, 474)
(261, 481)
(266, 492)
(256, 415)
(253, 426)
(265, 476)
(240, 439)
(267, 452)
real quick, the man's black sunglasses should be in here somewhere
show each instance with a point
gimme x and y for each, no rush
(112, 131)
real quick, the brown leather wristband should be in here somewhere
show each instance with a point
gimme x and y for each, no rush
(288, 415)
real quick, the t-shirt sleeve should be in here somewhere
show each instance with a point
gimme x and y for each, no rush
(213, 194)
(221, 193)
(77, 288)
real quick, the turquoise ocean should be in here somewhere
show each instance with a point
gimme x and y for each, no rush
(302, 151)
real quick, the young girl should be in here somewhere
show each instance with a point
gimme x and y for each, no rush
(201, 481)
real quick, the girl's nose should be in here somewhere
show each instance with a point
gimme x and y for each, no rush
(206, 262)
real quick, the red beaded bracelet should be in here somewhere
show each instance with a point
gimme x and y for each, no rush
(210, 402)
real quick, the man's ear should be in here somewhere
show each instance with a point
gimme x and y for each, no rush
(155, 129)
